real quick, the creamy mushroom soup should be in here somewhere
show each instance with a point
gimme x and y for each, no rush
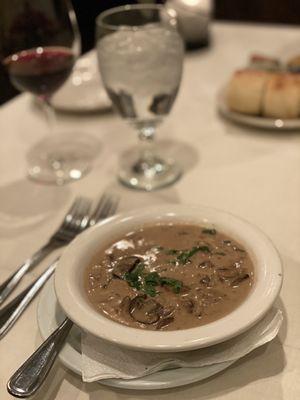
(169, 277)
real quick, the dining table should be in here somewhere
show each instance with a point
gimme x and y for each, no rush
(250, 172)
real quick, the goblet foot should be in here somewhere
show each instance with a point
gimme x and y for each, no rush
(61, 159)
(147, 173)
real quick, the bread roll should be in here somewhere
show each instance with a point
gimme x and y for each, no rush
(282, 96)
(245, 91)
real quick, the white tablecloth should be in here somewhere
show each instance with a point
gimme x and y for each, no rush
(251, 173)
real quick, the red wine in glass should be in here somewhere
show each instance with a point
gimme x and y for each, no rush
(41, 70)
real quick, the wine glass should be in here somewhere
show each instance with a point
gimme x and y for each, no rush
(140, 56)
(39, 44)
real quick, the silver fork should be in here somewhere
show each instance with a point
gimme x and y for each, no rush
(10, 313)
(31, 375)
(77, 222)
(63, 235)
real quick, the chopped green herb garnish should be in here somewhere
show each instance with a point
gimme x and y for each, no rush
(151, 280)
(209, 231)
(172, 251)
(147, 282)
(134, 277)
(185, 256)
(173, 283)
(204, 249)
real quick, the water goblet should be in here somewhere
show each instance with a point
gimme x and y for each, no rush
(140, 54)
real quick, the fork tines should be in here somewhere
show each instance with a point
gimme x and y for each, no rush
(105, 207)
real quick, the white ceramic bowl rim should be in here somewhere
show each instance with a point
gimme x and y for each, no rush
(73, 300)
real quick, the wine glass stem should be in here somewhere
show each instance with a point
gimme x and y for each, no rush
(55, 159)
(49, 114)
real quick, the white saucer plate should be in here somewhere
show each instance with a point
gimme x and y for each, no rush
(50, 315)
(254, 121)
(83, 91)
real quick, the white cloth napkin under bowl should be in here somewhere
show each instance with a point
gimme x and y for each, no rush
(102, 360)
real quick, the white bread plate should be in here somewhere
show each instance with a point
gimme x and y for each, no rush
(276, 124)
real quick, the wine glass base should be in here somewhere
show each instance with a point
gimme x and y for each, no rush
(57, 174)
(62, 159)
(149, 175)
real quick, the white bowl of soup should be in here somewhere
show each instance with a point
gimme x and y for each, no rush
(169, 278)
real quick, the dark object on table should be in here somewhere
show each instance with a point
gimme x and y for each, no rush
(86, 13)
(193, 21)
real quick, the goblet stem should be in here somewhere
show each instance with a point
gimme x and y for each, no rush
(146, 143)
(143, 168)
(148, 163)
(146, 133)
(49, 113)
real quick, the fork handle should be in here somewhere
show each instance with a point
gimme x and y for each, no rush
(13, 310)
(31, 375)
(13, 280)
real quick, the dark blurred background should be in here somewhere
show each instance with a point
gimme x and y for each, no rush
(261, 11)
